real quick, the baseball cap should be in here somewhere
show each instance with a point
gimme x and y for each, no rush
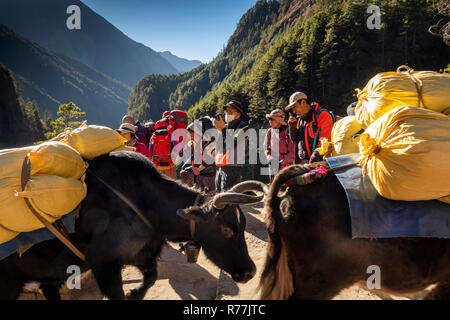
(294, 98)
(127, 119)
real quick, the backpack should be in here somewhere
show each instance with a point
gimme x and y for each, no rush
(178, 119)
(283, 137)
(316, 137)
(162, 146)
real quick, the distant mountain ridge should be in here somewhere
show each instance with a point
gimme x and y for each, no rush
(181, 64)
(52, 79)
(98, 44)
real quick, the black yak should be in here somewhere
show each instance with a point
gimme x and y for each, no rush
(111, 235)
(311, 254)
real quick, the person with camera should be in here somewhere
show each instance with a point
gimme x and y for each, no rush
(228, 169)
(201, 174)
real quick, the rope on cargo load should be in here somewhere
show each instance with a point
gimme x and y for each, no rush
(417, 82)
(368, 147)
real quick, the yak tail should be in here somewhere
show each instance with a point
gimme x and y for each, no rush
(277, 280)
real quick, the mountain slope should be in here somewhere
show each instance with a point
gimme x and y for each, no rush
(154, 93)
(98, 44)
(15, 127)
(181, 64)
(321, 47)
(52, 79)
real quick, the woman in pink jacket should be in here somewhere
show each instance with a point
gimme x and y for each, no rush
(286, 148)
(128, 131)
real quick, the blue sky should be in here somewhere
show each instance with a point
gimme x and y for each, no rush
(191, 29)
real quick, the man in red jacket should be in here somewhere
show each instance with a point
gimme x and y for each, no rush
(308, 123)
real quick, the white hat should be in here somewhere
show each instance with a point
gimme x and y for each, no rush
(294, 98)
(278, 115)
(127, 127)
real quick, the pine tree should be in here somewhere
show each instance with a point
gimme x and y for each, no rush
(47, 120)
(34, 124)
(67, 113)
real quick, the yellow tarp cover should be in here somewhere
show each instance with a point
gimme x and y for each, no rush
(389, 90)
(406, 153)
(344, 138)
(56, 186)
(57, 158)
(51, 196)
(93, 141)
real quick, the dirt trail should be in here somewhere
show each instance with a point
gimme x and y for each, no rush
(178, 279)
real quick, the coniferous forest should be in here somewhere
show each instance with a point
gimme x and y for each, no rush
(321, 47)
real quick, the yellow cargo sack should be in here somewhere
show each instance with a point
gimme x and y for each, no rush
(445, 199)
(93, 141)
(389, 90)
(345, 136)
(406, 153)
(11, 161)
(57, 158)
(6, 235)
(50, 196)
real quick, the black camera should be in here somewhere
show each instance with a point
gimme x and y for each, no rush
(217, 116)
(291, 113)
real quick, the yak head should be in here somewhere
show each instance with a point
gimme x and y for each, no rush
(220, 226)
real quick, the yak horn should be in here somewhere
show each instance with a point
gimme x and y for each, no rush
(251, 185)
(222, 199)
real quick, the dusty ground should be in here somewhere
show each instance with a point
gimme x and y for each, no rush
(178, 279)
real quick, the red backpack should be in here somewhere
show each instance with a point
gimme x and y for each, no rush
(162, 146)
(178, 120)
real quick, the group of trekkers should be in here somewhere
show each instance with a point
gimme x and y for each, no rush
(295, 141)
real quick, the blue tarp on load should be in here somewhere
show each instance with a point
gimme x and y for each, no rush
(373, 216)
(33, 237)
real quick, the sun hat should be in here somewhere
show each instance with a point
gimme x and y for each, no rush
(277, 115)
(127, 127)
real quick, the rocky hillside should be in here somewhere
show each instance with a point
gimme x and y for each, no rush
(52, 79)
(19, 124)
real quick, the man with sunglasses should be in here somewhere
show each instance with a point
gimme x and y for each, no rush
(308, 123)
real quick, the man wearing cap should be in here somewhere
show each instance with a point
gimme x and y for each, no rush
(141, 131)
(278, 134)
(308, 123)
(229, 170)
(128, 131)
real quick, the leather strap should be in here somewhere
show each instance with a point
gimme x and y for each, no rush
(192, 222)
(26, 169)
(192, 228)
